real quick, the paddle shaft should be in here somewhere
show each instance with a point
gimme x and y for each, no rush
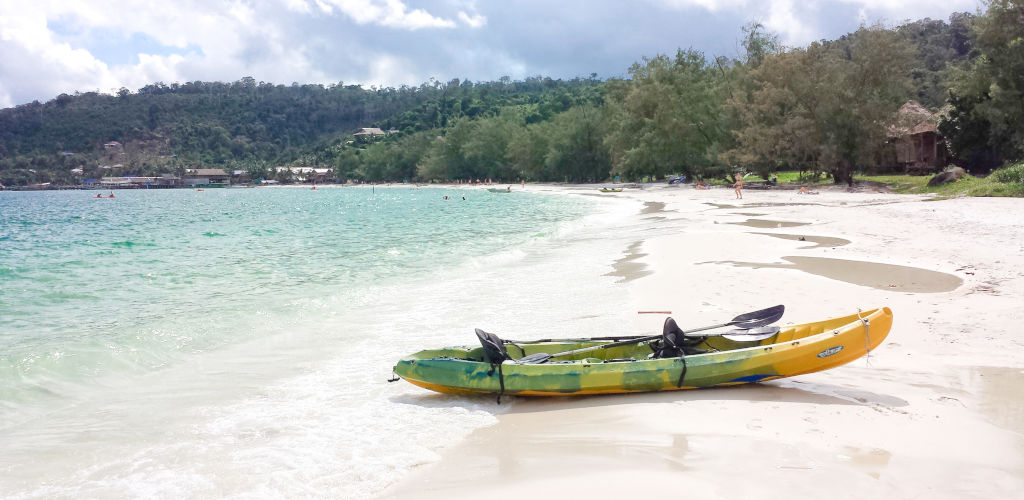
(751, 332)
(750, 320)
(686, 333)
(744, 321)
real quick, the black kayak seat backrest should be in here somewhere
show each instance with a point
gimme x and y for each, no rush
(494, 347)
(672, 334)
(672, 341)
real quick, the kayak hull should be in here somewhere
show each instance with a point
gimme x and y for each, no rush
(795, 350)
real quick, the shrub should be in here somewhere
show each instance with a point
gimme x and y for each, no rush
(1013, 173)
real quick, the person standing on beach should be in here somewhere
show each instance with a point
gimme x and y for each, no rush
(739, 186)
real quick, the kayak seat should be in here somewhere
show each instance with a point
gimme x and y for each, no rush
(674, 343)
(494, 347)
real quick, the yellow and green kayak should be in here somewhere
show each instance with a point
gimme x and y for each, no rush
(712, 361)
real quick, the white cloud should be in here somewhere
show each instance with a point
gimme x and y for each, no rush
(711, 5)
(800, 22)
(50, 47)
(894, 11)
(324, 7)
(390, 13)
(388, 70)
(215, 41)
(151, 68)
(30, 57)
(475, 21)
(300, 6)
(207, 41)
(782, 19)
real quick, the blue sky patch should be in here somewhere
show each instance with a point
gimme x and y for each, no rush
(112, 46)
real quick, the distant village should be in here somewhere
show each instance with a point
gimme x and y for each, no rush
(208, 177)
(200, 177)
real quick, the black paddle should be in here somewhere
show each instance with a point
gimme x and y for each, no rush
(748, 335)
(750, 319)
(742, 334)
(744, 322)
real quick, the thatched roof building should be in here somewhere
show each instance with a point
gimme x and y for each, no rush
(917, 145)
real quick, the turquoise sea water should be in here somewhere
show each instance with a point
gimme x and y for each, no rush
(93, 286)
(234, 342)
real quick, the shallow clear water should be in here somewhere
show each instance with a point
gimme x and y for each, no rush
(236, 342)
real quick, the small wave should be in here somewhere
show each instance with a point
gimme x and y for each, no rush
(130, 243)
(501, 258)
(60, 297)
(213, 234)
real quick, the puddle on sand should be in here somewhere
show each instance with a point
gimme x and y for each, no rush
(872, 274)
(749, 214)
(870, 461)
(819, 241)
(652, 207)
(627, 268)
(769, 224)
(1000, 389)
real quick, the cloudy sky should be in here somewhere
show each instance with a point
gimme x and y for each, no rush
(51, 47)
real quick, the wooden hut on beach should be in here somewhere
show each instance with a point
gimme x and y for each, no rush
(915, 144)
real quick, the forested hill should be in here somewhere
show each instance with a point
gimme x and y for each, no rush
(827, 107)
(248, 122)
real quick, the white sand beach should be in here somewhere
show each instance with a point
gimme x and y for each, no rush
(937, 411)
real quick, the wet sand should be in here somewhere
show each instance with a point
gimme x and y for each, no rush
(768, 224)
(652, 207)
(819, 241)
(872, 274)
(937, 411)
(628, 268)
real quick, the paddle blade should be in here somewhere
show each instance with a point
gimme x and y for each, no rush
(751, 334)
(758, 318)
(534, 359)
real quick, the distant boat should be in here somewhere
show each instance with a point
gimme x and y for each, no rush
(611, 190)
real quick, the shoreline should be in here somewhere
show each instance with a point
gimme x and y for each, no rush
(935, 411)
